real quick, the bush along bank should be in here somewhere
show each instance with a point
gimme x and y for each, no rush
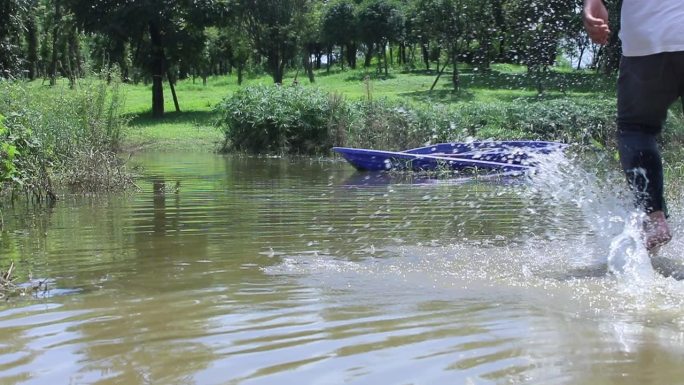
(58, 136)
(304, 120)
(21, 166)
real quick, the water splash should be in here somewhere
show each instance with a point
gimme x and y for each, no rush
(596, 188)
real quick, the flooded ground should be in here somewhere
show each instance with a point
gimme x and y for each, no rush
(229, 270)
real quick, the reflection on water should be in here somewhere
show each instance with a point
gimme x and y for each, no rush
(229, 270)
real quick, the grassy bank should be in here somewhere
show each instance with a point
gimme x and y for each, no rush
(193, 128)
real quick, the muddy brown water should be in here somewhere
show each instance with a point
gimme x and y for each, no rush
(275, 271)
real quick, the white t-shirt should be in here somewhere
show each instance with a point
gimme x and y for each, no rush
(652, 26)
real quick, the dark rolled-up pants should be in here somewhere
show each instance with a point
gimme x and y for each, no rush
(647, 87)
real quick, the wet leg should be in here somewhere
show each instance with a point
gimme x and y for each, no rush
(642, 164)
(656, 231)
(647, 86)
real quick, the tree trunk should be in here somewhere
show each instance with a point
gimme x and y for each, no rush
(239, 74)
(32, 47)
(66, 56)
(157, 69)
(342, 56)
(173, 91)
(384, 57)
(319, 55)
(425, 49)
(308, 66)
(328, 60)
(277, 66)
(369, 56)
(454, 76)
(579, 59)
(439, 74)
(75, 52)
(351, 55)
(55, 40)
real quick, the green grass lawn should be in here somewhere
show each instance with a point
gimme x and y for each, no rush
(193, 128)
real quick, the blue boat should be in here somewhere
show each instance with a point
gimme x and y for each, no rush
(504, 156)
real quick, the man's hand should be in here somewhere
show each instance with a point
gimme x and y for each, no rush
(595, 17)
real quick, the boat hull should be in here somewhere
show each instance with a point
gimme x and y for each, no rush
(503, 156)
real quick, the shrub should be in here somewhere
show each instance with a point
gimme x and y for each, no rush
(50, 128)
(8, 153)
(401, 125)
(397, 126)
(276, 119)
(564, 120)
(18, 157)
(279, 119)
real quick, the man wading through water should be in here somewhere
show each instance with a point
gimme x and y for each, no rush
(651, 79)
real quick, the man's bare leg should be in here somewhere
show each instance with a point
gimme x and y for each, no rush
(656, 231)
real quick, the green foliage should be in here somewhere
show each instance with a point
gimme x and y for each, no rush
(8, 152)
(276, 29)
(401, 125)
(302, 120)
(557, 119)
(398, 125)
(11, 24)
(50, 133)
(339, 24)
(277, 119)
(18, 153)
(538, 26)
(380, 21)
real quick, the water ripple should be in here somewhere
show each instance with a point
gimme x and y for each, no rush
(263, 271)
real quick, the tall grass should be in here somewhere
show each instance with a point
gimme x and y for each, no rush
(66, 136)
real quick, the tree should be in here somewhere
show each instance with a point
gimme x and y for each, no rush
(106, 51)
(610, 54)
(421, 29)
(311, 38)
(227, 48)
(481, 25)
(538, 27)
(380, 22)
(161, 31)
(32, 35)
(339, 27)
(275, 28)
(11, 25)
(444, 21)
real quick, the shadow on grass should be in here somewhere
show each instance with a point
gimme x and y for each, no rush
(555, 85)
(551, 81)
(373, 75)
(493, 79)
(324, 73)
(420, 72)
(443, 93)
(204, 118)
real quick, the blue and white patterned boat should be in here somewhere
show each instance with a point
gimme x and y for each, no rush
(510, 155)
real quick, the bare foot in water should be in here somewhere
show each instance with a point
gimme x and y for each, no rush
(656, 231)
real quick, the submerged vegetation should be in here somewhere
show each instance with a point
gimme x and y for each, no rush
(9, 287)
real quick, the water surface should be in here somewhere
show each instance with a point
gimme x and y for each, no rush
(236, 270)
